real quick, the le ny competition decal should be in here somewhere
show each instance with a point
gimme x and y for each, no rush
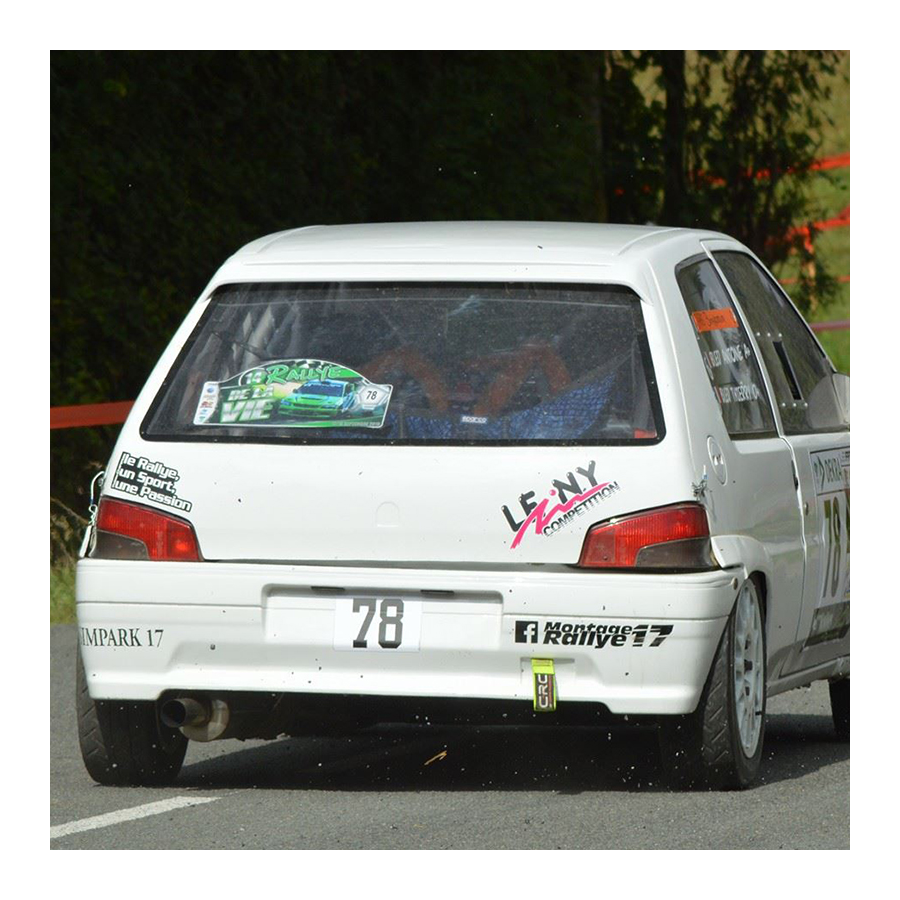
(566, 499)
(295, 393)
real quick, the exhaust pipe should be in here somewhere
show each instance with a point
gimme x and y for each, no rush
(184, 711)
(198, 718)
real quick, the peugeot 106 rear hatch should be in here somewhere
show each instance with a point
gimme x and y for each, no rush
(407, 422)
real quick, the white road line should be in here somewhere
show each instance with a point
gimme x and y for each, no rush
(126, 815)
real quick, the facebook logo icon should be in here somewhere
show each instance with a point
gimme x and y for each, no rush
(526, 632)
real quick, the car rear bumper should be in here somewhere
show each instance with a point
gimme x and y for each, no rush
(639, 644)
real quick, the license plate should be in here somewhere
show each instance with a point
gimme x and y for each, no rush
(387, 624)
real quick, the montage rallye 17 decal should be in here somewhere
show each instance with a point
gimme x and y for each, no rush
(295, 393)
(590, 634)
(576, 495)
(148, 480)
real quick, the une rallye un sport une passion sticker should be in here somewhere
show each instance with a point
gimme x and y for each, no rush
(149, 479)
(295, 393)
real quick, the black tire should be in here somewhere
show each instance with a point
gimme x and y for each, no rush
(123, 742)
(840, 707)
(704, 749)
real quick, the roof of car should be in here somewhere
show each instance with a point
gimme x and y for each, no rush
(444, 241)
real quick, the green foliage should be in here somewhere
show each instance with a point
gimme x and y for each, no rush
(837, 346)
(66, 530)
(756, 121)
(62, 594)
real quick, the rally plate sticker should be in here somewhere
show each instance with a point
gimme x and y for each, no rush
(295, 393)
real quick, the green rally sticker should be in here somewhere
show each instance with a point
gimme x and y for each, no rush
(295, 393)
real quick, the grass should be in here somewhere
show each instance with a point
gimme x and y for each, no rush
(62, 593)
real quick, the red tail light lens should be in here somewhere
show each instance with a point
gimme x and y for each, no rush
(129, 531)
(673, 537)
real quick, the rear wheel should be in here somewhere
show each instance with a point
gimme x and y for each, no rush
(840, 707)
(123, 742)
(720, 744)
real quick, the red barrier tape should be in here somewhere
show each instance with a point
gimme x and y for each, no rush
(841, 161)
(838, 325)
(841, 220)
(90, 414)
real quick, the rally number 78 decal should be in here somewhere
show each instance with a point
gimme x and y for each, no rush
(831, 480)
(377, 624)
(391, 620)
(837, 546)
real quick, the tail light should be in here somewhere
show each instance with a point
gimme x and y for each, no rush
(129, 531)
(672, 537)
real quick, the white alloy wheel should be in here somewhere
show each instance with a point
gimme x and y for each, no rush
(720, 744)
(749, 672)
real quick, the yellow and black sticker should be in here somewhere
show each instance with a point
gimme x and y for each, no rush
(544, 685)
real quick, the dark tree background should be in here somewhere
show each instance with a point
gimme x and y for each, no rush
(164, 163)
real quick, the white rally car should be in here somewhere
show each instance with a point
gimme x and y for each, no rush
(542, 472)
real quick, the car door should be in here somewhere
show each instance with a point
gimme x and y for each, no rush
(751, 492)
(813, 422)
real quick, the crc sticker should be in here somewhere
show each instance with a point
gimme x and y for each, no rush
(295, 393)
(571, 497)
(590, 634)
(149, 480)
(544, 676)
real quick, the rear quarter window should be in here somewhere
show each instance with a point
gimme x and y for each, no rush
(731, 364)
(800, 372)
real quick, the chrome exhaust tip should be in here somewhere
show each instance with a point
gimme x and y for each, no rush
(181, 711)
(198, 719)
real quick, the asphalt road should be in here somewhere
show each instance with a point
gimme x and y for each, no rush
(493, 789)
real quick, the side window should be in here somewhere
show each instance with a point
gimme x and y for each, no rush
(798, 367)
(731, 365)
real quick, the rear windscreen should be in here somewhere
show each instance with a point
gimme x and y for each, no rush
(413, 363)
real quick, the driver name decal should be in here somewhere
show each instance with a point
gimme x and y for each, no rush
(570, 497)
